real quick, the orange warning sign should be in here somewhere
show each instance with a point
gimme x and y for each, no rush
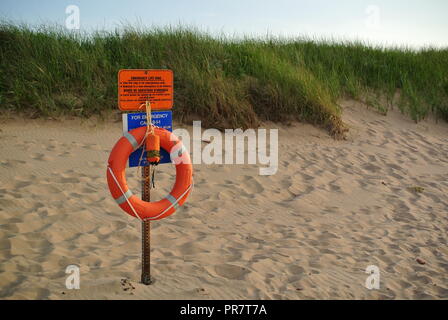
(136, 86)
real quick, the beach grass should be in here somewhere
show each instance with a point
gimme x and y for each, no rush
(225, 82)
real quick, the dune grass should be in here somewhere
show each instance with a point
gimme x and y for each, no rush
(224, 82)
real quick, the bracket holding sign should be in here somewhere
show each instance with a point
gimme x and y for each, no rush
(136, 86)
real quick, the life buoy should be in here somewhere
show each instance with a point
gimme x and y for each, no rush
(116, 175)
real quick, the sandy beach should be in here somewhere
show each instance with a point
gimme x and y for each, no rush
(308, 232)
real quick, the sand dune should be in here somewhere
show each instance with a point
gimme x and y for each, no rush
(307, 232)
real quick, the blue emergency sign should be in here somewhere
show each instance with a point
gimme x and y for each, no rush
(161, 119)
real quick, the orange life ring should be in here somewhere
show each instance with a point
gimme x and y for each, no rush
(116, 175)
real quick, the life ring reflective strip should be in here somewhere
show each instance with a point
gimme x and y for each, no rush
(116, 175)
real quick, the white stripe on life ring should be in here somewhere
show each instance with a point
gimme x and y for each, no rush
(172, 200)
(122, 199)
(131, 140)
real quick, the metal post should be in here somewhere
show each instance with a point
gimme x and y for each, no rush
(146, 229)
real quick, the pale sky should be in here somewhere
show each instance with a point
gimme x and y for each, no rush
(394, 22)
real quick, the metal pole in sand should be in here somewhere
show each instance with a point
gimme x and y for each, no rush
(146, 229)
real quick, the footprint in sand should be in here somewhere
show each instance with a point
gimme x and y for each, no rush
(21, 184)
(40, 157)
(64, 154)
(230, 271)
(11, 163)
(371, 167)
(92, 146)
(251, 185)
(68, 180)
(295, 270)
(67, 177)
(50, 147)
(95, 164)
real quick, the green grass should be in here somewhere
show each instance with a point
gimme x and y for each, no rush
(222, 81)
